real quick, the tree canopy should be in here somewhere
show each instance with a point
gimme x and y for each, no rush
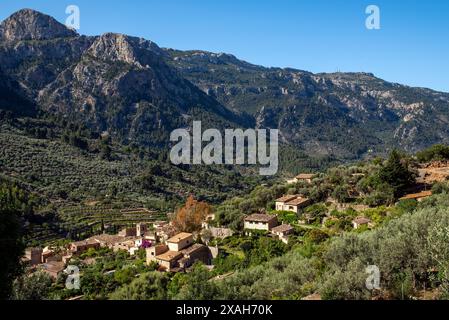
(190, 217)
(13, 204)
(395, 173)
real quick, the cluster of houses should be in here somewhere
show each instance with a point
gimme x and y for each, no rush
(364, 221)
(296, 204)
(129, 239)
(269, 223)
(48, 260)
(179, 253)
(172, 251)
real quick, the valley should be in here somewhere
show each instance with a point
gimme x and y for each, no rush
(88, 125)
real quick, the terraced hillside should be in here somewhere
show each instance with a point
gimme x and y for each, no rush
(82, 190)
(58, 170)
(78, 222)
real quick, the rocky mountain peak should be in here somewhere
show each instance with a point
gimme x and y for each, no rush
(120, 47)
(28, 24)
(114, 47)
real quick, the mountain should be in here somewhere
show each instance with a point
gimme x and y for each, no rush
(28, 24)
(90, 117)
(111, 83)
(138, 93)
(346, 114)
(12, 99)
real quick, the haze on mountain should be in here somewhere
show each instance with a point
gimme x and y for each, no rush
(139, 92)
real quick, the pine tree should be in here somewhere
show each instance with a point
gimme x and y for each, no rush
(396, 173)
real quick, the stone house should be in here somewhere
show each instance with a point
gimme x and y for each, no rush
(168, 260)
(128, 232)
(304, 177)
(293, 203)
(79, 247)
(53, 268)
(180, 241)
(34, 256)
(141, 229)
(263, 222)
(361, 221)
(280, 203)
(178, 253)
(283, 232)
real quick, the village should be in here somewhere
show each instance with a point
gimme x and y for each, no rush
(176, 250)
(172, 251)
(212, 244)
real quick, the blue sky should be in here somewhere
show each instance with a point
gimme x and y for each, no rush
(412, 46)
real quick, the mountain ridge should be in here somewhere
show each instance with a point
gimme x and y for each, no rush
(28, 24)
(139, 92)
(113, 82)
(274, 94)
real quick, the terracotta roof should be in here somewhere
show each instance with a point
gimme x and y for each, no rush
(126, 243)
(53, 266)
(305, 176)
(165, 228)
(361, 220)
(297, 201)
(193, 248)
(161, 245)
(169, 256)
(107, 238)
(257, 217)
(287, 198)
(85, 242)
(423, 194)
(179, 237)
(282, 228)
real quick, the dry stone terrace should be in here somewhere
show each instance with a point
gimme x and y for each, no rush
(79, 220)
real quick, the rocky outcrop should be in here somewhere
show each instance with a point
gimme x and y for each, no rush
(28, 24)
